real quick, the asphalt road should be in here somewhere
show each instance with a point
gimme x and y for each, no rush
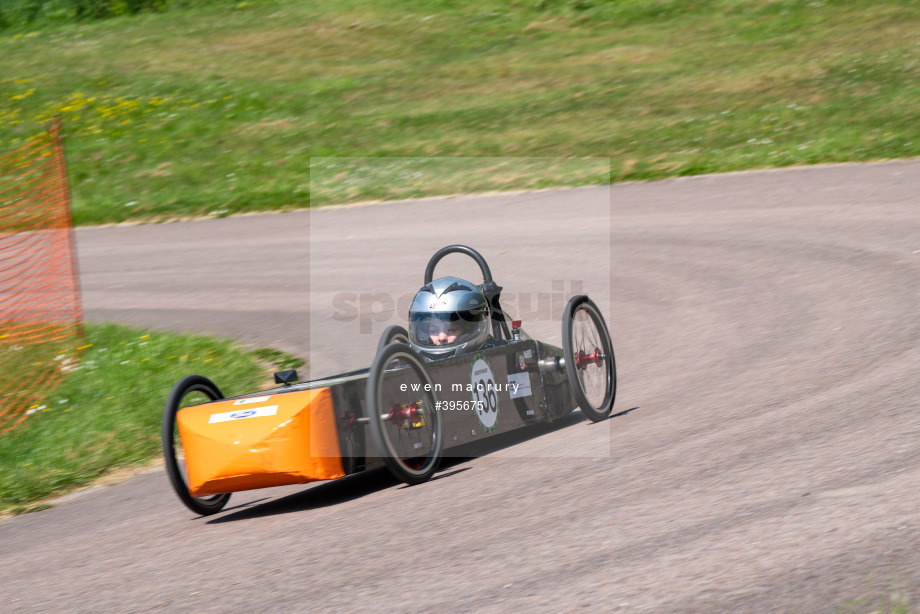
(764, 455)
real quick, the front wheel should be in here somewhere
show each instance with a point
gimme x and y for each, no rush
(589, 363)
(393, 334)
(190, 390)
(405, 423)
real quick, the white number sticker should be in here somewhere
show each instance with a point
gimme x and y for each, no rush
(485, 393)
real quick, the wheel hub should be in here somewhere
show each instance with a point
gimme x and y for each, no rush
(582, 359)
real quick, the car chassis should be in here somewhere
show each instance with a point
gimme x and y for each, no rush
(403, 412)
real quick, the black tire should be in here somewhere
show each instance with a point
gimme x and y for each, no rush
(188, 385)
(583, 326)
(394, 365)
(393, 334)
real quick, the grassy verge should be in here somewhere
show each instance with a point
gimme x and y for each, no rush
(219, 108)
(37, 13)
(894, 598)
(106, 413)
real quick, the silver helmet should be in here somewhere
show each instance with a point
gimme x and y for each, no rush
(447, 317)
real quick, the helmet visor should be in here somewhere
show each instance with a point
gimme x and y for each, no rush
(443, 329)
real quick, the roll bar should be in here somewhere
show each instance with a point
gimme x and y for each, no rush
(488, 287)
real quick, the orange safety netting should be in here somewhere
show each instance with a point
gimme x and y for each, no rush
(41, 321)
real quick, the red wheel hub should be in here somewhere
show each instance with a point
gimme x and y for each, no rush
(401, 414)
(582, 359)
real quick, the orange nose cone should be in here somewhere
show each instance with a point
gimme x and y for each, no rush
(288, 438)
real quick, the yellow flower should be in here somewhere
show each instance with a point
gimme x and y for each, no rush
(23, 95)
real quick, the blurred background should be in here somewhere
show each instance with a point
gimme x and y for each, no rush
(173, 108)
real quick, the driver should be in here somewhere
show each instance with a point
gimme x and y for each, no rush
(447, 317)
(444, 331)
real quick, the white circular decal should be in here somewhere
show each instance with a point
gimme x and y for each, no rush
(485, 392)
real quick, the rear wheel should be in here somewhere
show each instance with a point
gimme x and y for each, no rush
(189, 391)
(589, 362)
(402, 409)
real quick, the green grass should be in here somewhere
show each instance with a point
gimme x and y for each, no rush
(220, 108)
(281, 360)
(894, 598)
(106, 413)
(19, 13)
(32, 355)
